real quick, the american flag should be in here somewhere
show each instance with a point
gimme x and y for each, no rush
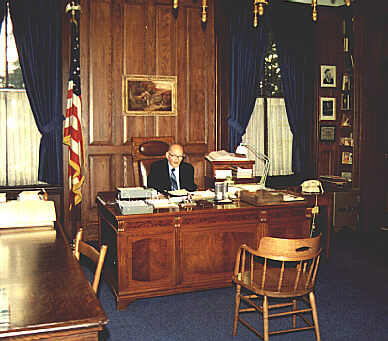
(73, 129)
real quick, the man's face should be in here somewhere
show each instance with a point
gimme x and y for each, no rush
(175, 155)
(328, 74)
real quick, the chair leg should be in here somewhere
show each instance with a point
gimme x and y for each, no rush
(315, 315)
(236, 309)
(294, 307)
(265, 318)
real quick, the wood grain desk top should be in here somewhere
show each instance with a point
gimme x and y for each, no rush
(45, 289)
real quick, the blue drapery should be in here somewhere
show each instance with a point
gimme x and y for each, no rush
(294, 31)
(3, 9)
(246, 66)
(37, 27)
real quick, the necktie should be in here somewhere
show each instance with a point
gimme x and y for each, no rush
(174, 184)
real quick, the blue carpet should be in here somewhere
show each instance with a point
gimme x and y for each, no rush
(351, 294)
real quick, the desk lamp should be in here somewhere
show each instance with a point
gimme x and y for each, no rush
(242, 149)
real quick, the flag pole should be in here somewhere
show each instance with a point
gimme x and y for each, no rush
(72, 136)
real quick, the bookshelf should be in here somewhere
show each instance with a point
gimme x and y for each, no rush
(346, 105)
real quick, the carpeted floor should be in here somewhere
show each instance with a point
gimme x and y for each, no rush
(352, 301)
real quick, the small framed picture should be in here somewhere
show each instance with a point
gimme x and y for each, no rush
(327, 133)
(347, 158)
(347, 175)
(328, 76)
(345, 101)
(327, 108)
(347, 82)
(346, 141)
(346, 120)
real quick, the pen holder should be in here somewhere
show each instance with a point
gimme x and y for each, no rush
(221, 190)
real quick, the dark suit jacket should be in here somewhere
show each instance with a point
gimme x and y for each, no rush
(159, 177)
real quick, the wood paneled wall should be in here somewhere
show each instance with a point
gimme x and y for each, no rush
(142, 37)
(328, 51)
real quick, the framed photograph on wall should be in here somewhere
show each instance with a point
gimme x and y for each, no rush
(347, 175)
(347, 81)
(346, 120)
(345, 102)
(327, 108)
(327, 133)
(347, 158)
(328, 76)
(149, 95)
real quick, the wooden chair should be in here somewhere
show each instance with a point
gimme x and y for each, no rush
(283, 270)
(146, 150)
(90, 252)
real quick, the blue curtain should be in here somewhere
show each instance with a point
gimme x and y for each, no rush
(248, 46)
(3, 9)
(294, 34)
(37, 29)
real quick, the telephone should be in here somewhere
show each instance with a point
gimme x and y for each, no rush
(312, 187)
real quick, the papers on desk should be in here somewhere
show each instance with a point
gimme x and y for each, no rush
(27, 213)
(161, 203)
(244, 173)
(223, 155)
(252, 187)
(202, 195)
(289, 197)
(179, 193)
(222, 173)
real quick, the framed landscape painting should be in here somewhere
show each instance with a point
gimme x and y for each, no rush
(149, 95)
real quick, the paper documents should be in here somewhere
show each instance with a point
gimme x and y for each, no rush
(28, 213)
(223, 155)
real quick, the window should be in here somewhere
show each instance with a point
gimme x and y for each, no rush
(19, 136)
(268, 129)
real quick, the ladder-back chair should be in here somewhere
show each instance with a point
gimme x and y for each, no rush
(90, 252)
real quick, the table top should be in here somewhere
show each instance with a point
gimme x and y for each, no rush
(42, 286)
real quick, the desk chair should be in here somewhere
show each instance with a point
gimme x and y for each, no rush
(283, 270)
(90, 252)
(146, 150)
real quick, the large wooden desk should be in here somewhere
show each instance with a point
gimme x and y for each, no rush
(47, 292)
(186, 249)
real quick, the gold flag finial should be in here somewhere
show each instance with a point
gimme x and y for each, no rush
(72, 7)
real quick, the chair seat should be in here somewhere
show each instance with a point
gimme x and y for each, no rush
(252, 280)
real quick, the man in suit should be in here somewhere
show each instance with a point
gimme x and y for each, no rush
(172, 173)
(328, 77)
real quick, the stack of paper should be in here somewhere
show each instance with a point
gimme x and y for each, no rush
(223, 155)
(31, 195)
(244, 172)
(27, 213)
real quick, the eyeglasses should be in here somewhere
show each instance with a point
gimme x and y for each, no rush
(179, 157)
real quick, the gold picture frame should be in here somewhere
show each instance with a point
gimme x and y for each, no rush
(146, 95)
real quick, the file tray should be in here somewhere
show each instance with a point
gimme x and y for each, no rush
(261, 197)
(134, 193)
(134, 207)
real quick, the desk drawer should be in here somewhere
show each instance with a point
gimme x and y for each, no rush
(346, 208)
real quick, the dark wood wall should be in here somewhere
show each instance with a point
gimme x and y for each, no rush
(142, 37)
(371, 39)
